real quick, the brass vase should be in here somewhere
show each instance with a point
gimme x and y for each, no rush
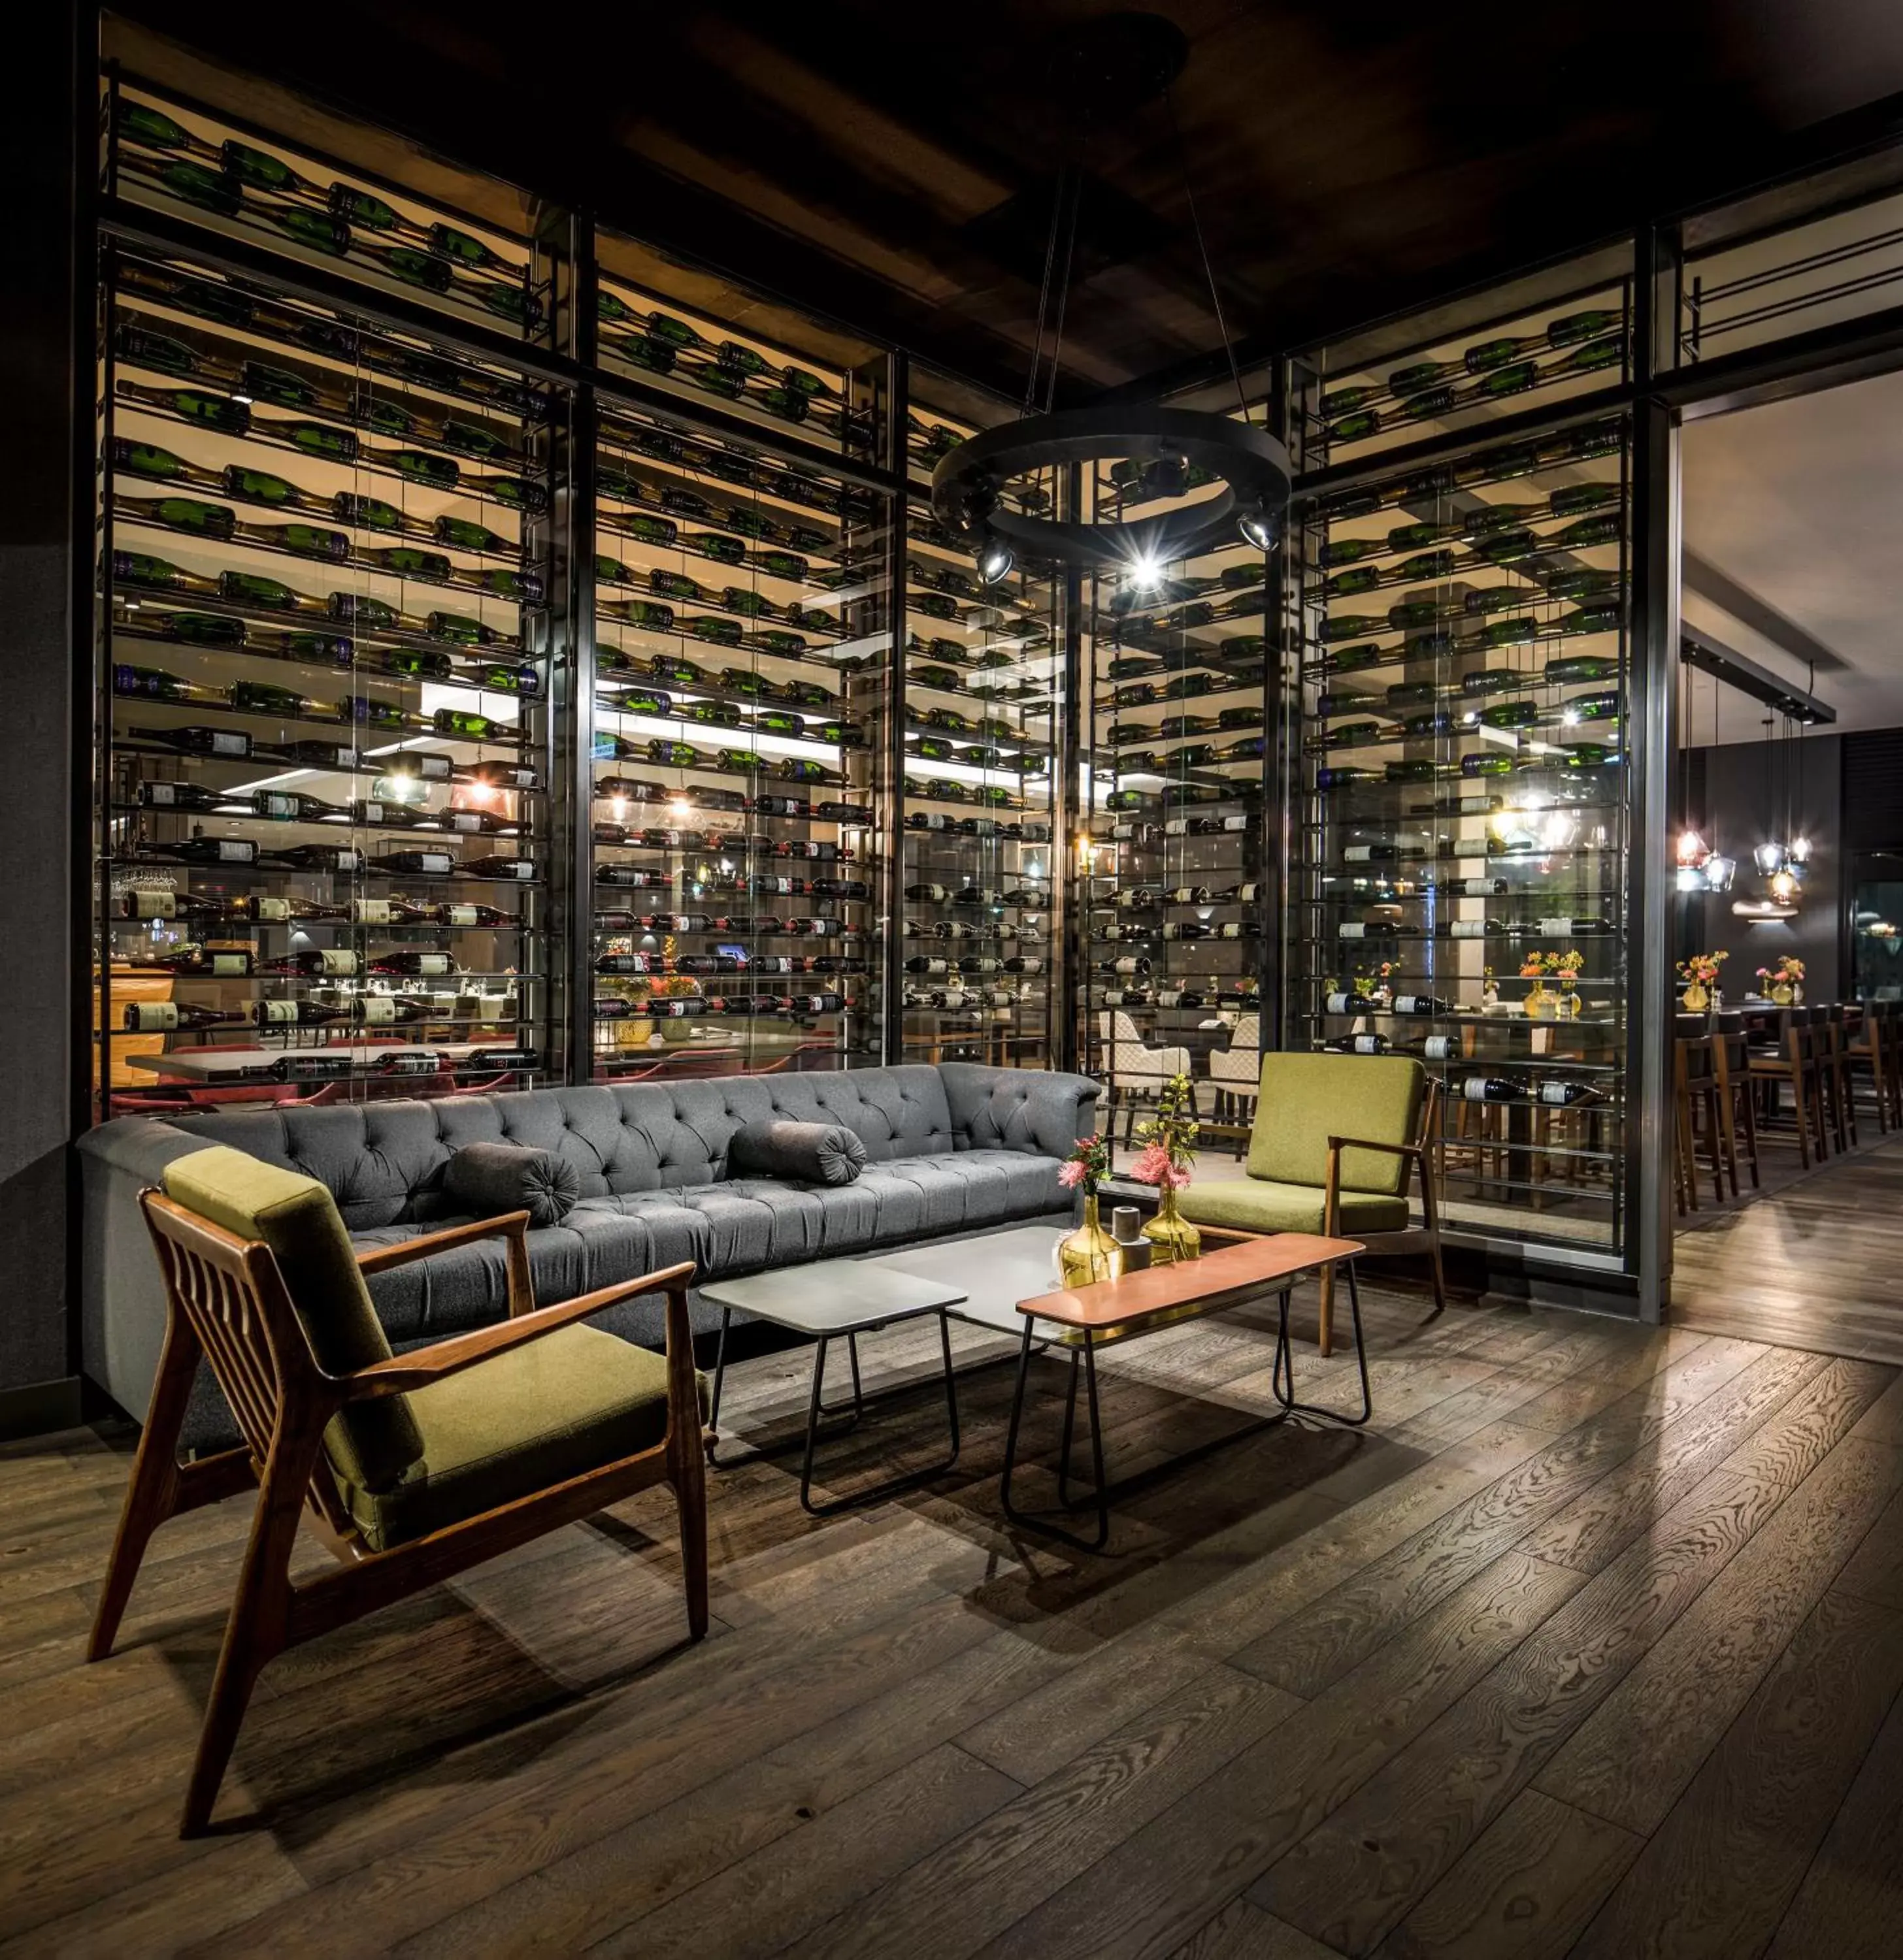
(1090, 1255)
(1172, 1237)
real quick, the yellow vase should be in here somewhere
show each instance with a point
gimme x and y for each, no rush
(1172, 1237)
(1696, 998)
(1090, 1255)
(1783, 993)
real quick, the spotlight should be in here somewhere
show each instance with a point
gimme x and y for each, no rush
(1720, 871)
(1259, 528)
(1784, 887)
(995, 560)
(1146, 574)
(1800, 851)
(1692, 848)
(1769, 858)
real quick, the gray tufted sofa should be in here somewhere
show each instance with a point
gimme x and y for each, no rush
(952, 1150)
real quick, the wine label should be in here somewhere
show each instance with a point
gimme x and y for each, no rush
(1339, 1004)
(151, 1016)
(1352, 929)
(456, 914)
(228, 966)
(1367, 1045)
(436, 863)
(431, 768)
(267, 804)
(275, 1013)
(1556, 1092)
(1409, 1004)
(1560, 927)
(271, 911)
(224, 743)
(160, 796)
(147, 904)
(236, 851)
(374, 1009)
(1468, 929)
(1441, 1048)
(1358, 853)
(433, 965)
(1473, 1090)
(337, 960)
(464, 820)
(370, 912)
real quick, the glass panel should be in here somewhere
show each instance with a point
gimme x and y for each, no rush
(743, 664)
(1459, 827)
(323, 749)
(984, 692)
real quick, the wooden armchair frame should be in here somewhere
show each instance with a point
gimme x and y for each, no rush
(1424, 1237)
(227, 1301)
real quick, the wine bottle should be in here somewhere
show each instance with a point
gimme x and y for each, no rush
(1565, 1095)
(1576, 667)
(422, 965)
(383, 1009)
(1421, 1004)
(315, 962)
(502, 869)
(1492, 1088)
(295, 1013)
(416, 863)
(1361, 1044)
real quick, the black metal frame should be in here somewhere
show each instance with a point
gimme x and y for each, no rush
(816, 1410)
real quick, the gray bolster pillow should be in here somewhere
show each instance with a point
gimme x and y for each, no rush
(805, 1153)
(490, 1178)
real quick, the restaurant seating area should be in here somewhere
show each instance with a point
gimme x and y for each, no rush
(958, 985)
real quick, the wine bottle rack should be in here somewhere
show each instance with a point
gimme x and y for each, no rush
(1459, 820)
(1537, 362)
(1173, 873)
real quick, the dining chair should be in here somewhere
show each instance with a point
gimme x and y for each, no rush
(1135, 1073)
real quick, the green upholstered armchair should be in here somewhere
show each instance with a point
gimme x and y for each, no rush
(410, 1468)
(1335, 1139)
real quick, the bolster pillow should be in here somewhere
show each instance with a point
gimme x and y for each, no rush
(490, 1178)
(805, 1153)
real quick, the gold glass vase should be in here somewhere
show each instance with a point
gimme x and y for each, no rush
(1090, 1255)
(1172, 1237)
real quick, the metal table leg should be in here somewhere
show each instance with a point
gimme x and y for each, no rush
(1100, 1491)
(1285, 1363)
(815, 1409)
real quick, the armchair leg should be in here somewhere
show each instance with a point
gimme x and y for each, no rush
(152, 1495)
(259, 1622)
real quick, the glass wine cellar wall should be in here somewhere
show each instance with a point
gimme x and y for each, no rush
(473, 718)
(1458, 819)
(327, 839)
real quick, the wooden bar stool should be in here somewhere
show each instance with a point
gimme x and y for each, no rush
(1873, 1050)
(1797, 1065)
(1698, 1106)
(1731, 1053)
(1827, 1024)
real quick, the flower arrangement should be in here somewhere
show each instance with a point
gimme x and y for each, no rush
(1089, 1165)
(677, 985)
(1169, 1139)
(1701, 970)
(1788, 972)
(1563, 967)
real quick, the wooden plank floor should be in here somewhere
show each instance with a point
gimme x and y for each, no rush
(1817, 1264)
(1592, 1644)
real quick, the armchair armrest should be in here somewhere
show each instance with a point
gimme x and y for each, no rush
(417, 1369)
(1339, 1144)
(514, 1225)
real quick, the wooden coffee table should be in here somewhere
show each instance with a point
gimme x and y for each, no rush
(1091, 1317)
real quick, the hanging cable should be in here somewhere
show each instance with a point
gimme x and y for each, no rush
(1063, 277)
(1208, 273)
(1044, 302)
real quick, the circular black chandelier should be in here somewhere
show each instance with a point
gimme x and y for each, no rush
(968, 487)
(1116, 61)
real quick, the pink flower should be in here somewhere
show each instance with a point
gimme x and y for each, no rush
(1070, 1174)
(1152, 1165)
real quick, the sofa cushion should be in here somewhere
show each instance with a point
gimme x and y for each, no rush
(923, 1197)
(1307, 1098)
(370, 1442)
(568, 1403)
(802, 1152)
(1258, 1204)
(488, 1179)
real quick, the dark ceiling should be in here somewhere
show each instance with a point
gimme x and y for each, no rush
(896, 164)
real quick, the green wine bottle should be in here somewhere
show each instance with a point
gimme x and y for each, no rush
(771, 640)
(251, 588)
(317, 439)
(518, 493)
(469, 726)
(407, 264)
(750, 604)
(180, 514)
(459, 630)
(414, 662)
(306, 540)
(650, 531)
(1510, 714)
(1412, 381)
(152, 684)
(711, 544)
(463, 535)
(1594, 355)
(251, 697)
(305, 226)
(329, 650)
(1346, 401)
(1580, 584)
(522, 588)
(159, 574)
(139, 123)
(1587, 531)
(407, 561)
(473, 439)
(641, 613)
(248, 486)
(1572, 498)
(1572, 327)
(1604, 706)
(645, 351)
(376, 614)
(1488, 680)
(1588, 754)
(203, 629)
(1357, 578)
(1503, 632)
(368, 712)
(418, 465)
(1581, 667)
(372, 514)
(1513, 380)
(675, 755)
(1425, 567)
(1507, 349)
(510, 301)
(1590, 619)
(673, 585)
(210, 190)
(1488, 762)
